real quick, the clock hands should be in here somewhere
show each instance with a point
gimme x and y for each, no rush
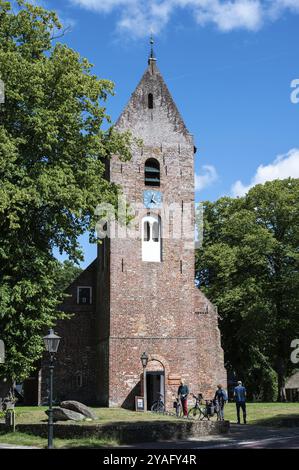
(152, 199)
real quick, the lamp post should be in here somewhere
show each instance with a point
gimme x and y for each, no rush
(51, 344)
(144, 361)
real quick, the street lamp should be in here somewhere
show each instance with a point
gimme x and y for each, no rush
(51, 344)
(144, 361)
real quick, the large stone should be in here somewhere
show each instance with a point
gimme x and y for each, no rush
(62, 414)
(78, 407)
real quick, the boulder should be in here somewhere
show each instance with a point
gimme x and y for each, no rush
(78, 407)
(62, 414)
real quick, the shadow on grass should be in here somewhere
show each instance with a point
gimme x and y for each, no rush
(287, 421)
(86, 444)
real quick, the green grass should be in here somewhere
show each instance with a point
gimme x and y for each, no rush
(36, 414)
(24, 439)
(258, 413)
(266, 414)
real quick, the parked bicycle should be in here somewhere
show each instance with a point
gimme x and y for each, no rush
(178, 408)
(158, 405)
(201, 409)
(217, 410)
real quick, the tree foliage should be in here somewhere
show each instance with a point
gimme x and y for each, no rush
(53, 151)
(248, 266)
(66, 273)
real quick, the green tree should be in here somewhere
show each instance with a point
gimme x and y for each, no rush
(66, 273)
(248, 266)
(53, 152)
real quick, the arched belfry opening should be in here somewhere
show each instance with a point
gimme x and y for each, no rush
(152, 172)
(151, 238)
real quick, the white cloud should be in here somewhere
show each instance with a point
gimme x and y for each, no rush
(284, 166)
(208, 177)
(138, 17)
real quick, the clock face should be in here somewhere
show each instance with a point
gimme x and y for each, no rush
(152, 199)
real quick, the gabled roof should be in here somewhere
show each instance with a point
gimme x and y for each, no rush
(293, 381)
(162, 123)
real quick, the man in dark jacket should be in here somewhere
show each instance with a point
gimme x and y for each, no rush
(183, 392)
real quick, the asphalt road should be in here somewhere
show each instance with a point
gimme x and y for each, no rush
(240, 436)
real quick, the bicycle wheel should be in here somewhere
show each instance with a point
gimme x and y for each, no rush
(195, 413)
(154, 407)
(161, 407)
(179, 411)
(158, 407)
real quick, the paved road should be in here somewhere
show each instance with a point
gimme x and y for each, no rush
(240, 436)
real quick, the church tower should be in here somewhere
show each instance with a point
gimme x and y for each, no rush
(146, 295)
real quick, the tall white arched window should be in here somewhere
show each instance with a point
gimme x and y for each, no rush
(151, 238)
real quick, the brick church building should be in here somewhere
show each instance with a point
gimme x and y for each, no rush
(139, 295)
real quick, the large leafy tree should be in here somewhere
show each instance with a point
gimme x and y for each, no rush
(66, 273)
(248, 266)
(52, 172)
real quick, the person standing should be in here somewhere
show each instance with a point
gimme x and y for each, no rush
(183, 392)
(240, 398)
(220, 399)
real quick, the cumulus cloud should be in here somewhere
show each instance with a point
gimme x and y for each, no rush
(138, 17)
(208, 177)
(284, 166)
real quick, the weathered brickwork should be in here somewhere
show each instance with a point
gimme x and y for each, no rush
(144, 306)
(152, 306)
(75, 365)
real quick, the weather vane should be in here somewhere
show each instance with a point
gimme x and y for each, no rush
(152, 44)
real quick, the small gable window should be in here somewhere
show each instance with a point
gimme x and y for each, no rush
(84, 295)
(152, 172)
(150, 101)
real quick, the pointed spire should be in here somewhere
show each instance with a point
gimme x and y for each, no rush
(152, 57)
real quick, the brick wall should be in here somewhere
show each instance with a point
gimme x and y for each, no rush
(76, 357)
(143, 306)
(153, 305)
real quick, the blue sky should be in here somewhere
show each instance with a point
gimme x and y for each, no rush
(228, 65)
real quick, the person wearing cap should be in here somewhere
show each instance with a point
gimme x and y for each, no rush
(240, 398)
(183, 392)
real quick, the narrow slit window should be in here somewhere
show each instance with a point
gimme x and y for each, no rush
(150, 101)
(78, 380)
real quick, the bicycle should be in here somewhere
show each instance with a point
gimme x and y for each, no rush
(196, 412)
(179, 412)
(218, 410)
(158, 405)
(200, 411)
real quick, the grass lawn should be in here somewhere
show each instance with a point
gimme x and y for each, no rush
(266, 414)
(24, 439)
(36, 414)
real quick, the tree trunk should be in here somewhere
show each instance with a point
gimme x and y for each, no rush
(281, 388)
(281, 374)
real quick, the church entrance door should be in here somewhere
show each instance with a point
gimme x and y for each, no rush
(154, 385)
